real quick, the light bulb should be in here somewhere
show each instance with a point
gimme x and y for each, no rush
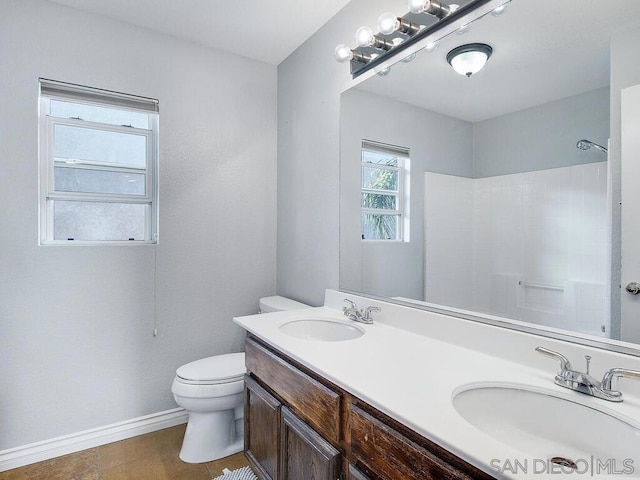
(388, 23)
(431, 46)
(464, 29)
(417, 6)
(409, 58)
(499, 11)
(343, 53)
(364, 37)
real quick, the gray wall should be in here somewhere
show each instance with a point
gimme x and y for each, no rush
(76, 343)
(542, 137)
(309, 86)
(393, 268)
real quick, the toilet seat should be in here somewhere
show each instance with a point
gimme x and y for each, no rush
(219, 369)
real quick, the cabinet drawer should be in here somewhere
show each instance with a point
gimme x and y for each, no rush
(389, 454)
(309, 399)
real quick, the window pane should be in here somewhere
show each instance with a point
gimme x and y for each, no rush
(382, 202)
(379, 227)
(369, 156)
(79, 143)
(99, 221)
(94, 113)
(379, 179)
(98, 181)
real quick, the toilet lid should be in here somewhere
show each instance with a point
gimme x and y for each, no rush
(217, 369)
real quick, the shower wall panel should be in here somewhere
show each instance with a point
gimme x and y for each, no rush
(537, 241)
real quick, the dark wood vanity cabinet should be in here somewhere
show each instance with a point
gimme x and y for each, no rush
(288, 426)
(299, 426)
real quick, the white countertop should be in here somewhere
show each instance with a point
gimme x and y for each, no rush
(413, 379)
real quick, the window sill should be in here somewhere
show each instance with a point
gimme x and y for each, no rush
(102, 243)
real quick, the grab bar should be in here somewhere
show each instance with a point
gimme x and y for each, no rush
(541, 285)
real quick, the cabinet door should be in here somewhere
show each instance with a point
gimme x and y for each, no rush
(304, 453)
(261, 430)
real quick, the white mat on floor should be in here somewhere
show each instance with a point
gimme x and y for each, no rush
(244, 473)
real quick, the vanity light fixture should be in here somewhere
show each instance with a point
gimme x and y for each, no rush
(406, 33)
(343, 53)
(389, 23)
(409, 58)
(499, 11)
(463, 29)
(366, 38)
(432, 7)
(469, 59)
(431, 46)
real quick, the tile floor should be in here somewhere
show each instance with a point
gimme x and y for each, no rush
(153, 456)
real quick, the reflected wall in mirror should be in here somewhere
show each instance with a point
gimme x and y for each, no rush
(506, 213)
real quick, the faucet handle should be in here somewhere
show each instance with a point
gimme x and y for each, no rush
(588, 360)
(612, 375)
(351, 305)
(367, 312)
(565, 365)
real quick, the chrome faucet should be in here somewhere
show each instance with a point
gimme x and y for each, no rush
(352, 312)
(585, 383)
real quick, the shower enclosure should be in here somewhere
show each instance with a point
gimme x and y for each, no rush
(529, 246)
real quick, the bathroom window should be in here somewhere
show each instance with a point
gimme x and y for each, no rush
(98, 166)
(384, 192)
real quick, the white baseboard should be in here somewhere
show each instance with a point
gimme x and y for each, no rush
(75, 442)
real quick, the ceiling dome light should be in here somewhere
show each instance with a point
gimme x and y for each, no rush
(469, 59)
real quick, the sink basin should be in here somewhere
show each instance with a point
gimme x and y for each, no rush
(321, 329)
(550, 428)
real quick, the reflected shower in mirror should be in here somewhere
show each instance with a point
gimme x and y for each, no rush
(507, 218)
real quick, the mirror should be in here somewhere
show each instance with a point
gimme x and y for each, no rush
(507, 218)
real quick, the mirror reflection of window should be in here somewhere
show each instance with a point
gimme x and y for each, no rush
(383, 199)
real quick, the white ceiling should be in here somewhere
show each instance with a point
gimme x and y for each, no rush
(542, 52)
(265, 30)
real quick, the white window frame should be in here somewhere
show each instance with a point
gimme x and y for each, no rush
(402, 193)
(53, 90)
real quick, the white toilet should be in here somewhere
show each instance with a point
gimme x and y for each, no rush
(211, 391)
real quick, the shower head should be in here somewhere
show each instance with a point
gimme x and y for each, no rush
(587, 144)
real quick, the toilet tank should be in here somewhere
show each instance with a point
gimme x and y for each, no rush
(278, 303)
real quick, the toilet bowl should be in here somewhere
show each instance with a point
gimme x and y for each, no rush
(211, 390)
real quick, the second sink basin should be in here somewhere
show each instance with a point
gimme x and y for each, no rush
(552, 429)
(321, 329)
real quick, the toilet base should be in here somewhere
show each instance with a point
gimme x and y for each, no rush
(210, 436)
